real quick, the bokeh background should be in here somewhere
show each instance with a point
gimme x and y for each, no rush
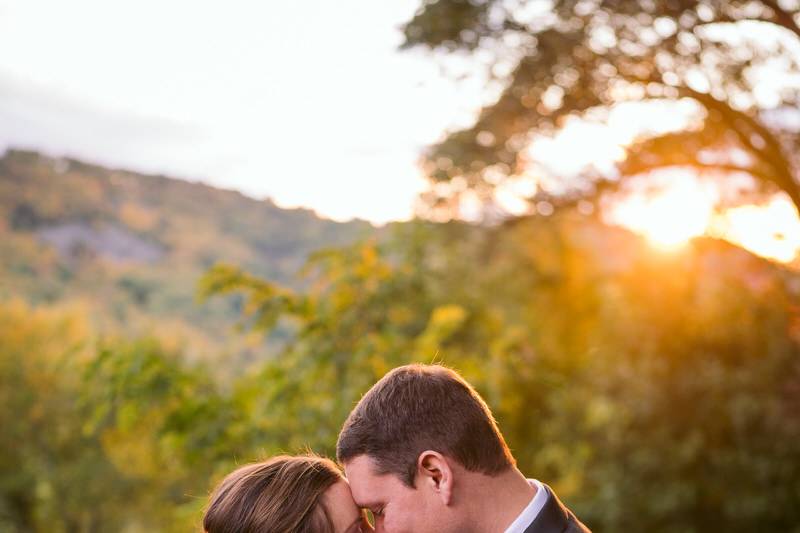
(219, 225)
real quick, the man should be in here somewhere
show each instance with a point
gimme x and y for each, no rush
(423, 453)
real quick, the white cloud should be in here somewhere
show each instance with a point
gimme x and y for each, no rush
(307, 102)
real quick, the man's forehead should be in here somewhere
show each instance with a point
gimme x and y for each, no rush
(364, 480)
(363, 467)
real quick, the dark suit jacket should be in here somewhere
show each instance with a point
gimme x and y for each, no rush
(555, 518)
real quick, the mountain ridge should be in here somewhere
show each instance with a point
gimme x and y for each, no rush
(134, 245)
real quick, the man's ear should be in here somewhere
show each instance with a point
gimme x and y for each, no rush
(434, 473)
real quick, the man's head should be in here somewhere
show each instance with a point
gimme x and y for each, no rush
(411, 435)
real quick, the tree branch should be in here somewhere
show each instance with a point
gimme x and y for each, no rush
(725, 168)
(771, 155)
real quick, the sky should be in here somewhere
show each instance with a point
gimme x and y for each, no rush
(308, 103)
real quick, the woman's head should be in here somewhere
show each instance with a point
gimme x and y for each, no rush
(304, 494)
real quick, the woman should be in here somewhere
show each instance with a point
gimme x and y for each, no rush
(303, 494)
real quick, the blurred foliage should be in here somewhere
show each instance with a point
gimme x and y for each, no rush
(553, 60)
(112, 434)
(131, 247)
(655, 392)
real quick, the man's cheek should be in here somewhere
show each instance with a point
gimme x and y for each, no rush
(395, 524)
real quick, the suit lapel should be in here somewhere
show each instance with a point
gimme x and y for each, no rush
(553, 518)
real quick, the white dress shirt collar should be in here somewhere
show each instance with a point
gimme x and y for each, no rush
(529, 514)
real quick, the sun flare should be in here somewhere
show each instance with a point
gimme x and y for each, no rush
(669, 207)
(770, 230)
(684, 209)
(668, 218)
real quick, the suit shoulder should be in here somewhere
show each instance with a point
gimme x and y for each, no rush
(576, 526)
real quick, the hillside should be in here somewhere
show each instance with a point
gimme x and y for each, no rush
(129, 248)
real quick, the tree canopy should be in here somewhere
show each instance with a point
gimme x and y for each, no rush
(736, 60)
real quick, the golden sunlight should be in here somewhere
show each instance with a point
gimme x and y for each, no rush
(668, 218)
(771, 230)
(668, 207)
(684, 209)
(681, 206)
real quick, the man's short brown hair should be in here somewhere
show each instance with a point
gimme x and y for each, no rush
(415, 408)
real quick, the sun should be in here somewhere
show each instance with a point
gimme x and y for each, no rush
(685, 208)
(668, 217)
(668, 207)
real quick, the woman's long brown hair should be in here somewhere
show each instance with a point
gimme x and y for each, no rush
(281, 495)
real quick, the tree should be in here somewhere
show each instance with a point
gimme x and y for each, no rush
(572, 56)
(121, 435)
(55, 476)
